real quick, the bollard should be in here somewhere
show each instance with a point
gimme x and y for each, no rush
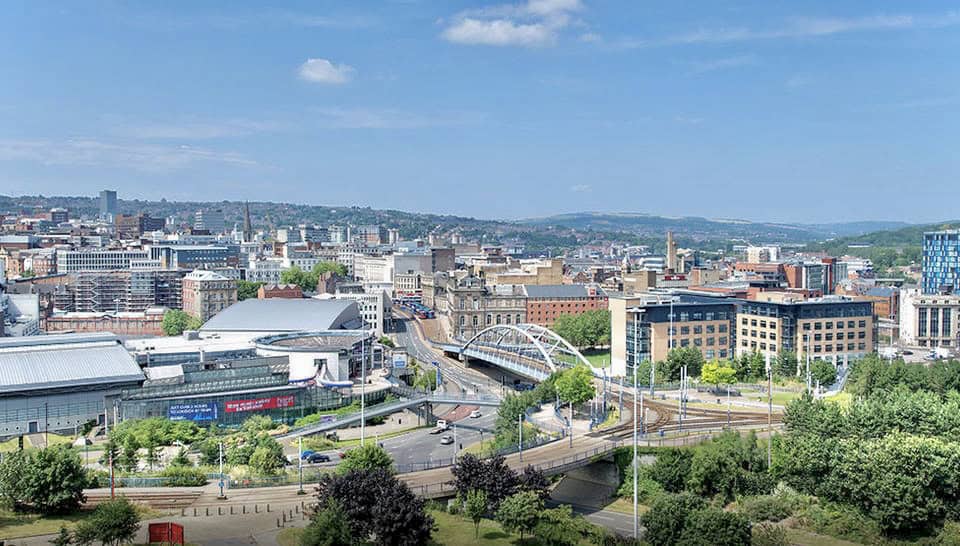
(194, 512)
(256, 508)
(297, 508)
(231, 509)
(219, 511)
(183, 512)
(244, 508)
(208, 510)
(268, 507)
(278, 522)
(284, 514)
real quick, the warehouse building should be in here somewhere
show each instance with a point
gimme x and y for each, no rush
(60, 382)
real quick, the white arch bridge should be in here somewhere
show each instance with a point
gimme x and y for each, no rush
(527, 350)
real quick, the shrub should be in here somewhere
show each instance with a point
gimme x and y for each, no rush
(183, 476)
(715, 527)
(767, 507)
(841, 522)
(769, 534)
(667, 518)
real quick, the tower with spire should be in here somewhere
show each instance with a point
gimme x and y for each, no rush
(247, 226)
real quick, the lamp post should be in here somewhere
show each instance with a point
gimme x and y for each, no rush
(300, 465)
(769, 411)
(637, 401)
(519, 436)
(363, 386)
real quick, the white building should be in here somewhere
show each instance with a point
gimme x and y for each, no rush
(71, 261)
(264, 269)
(19, 315)
(374, 306)
(929, 320)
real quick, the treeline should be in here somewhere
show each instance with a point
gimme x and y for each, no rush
(587, 329)
(893, 455)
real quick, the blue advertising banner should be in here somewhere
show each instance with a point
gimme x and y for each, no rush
(204, 411)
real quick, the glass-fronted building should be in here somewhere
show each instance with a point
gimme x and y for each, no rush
(941, 262)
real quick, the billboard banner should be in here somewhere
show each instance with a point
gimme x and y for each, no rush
(257, 404)
(204, 411)
(399, 361)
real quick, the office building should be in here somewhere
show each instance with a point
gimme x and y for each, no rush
(929, 320)
(545, 303)
(72, 261)
(108, 205)
(831, 328)
(206, 293)
(210, 221)
(640, 327)
(941, 262)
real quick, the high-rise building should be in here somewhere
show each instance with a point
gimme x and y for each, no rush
(108, 205)
(941, 262)
(210, 220)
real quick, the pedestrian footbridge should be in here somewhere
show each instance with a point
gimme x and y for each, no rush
(527, 350)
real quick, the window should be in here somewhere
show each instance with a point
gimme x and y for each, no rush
(708, 354)
(817, 337)
(743, 333)
(698, 316)
(711, 341)
(463, 320)
(763, 324)
(722, 328)
(508, 319)
(806, 325)
(817, 349)
(708, 316)
(685, 330)
(722, 341)
(499, 319)
(723, 353)
(753, 322)
(753, 333)
(818, 326)
(518, 321)
(828, 325)
(684, 317)
(711, 329)
(849, 324)
(862, 346)
(839, 324)
(829, 337)
(839, 347)
(743, 321)
(476, 321)
(684, 342)
(763, 335)
(697, 341)
(698, 329)
(863, 324)
(763, 346)
(489, 319)
(850, 346)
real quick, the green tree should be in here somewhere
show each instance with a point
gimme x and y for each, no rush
(475, 507)
(267, 456)
(112, 522)
(329, 267)
(492, 476)
(667, 517)
(175, 322)
(63, 538)
(386, 342)
(575, 385)
(520, 512)
(670, 469)
(328, 527)
(247, 289)
(181, 458)
(715, 527)
(130, 457)
(558, 527)
(379, 506)
(369, 456)
(48, 481)
(823, 372)
(716, 374)
(786, 364)
(306, 280)
(256, 424)
(677, 359)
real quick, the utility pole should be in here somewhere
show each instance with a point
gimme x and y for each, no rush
(222, 496)
(363, 386)
(300, 464)
(769, 411)
(519, 435)
(636, 398)
(454, 442)
(571, 425)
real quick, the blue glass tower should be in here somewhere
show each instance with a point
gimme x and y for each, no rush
(941, 262)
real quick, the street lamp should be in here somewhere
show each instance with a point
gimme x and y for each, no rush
(637, 400)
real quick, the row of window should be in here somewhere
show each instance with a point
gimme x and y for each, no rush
(710, 329)
(712, 315)
(816, 348)
(698, 342)
(828, 325)
(762, 334)
(840, 335)
(500, 319)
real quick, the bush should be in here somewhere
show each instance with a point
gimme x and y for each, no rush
(841, 522)
(767, 507)
(667, 518)
(769, 534)
(183, 476)
(48, 481)
(715, 527)
(113, 522)
(949, 535)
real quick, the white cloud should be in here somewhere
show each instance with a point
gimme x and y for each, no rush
(197, 130)
(533, 24)
(324, 71)
(581, 188)
(364, 118)
(91, 152)
(797, 27)
(700, 67)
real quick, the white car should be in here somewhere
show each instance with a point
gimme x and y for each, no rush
(475, 414)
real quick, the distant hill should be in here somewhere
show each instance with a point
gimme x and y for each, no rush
(696, 227)
(911, 236)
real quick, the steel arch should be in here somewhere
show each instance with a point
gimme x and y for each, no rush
(546, 341)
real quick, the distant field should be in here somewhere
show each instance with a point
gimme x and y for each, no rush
(599, 358)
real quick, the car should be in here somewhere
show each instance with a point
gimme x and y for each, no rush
(306, 454)
(318, 458)
(446, 440)
(475, 414)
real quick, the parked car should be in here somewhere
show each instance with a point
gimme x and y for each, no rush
(318, 458)
(446, 440)
(475, 414)
(306, 454)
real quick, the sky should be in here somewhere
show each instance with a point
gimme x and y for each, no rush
(794, 111)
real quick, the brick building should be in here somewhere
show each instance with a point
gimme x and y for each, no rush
(547, 302)
(289, 291)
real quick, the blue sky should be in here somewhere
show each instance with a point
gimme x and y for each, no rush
(768, 110)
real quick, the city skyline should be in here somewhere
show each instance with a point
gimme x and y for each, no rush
(518, 110)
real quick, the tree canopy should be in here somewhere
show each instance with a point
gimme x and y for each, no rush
(176, 322)
(575, 385)
(587, 329)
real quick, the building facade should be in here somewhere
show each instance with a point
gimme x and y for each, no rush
(640, 327)
(206, 293)
(941, 262)
(833, 328)
(547, 302)
(929, 320)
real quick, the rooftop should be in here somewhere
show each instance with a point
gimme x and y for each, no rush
(562, 291)
(286, 315)
(66, 360)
